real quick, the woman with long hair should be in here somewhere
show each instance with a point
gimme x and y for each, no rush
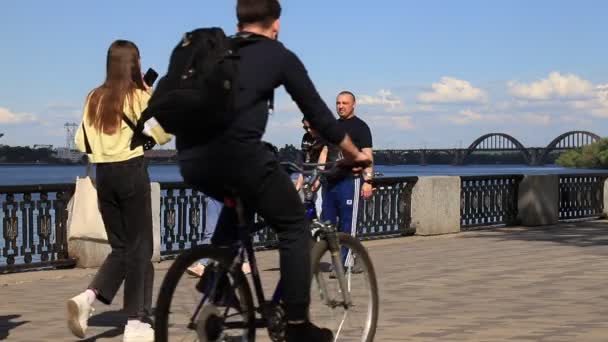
(123, 192)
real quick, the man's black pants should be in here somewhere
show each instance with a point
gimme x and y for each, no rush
(254, 174)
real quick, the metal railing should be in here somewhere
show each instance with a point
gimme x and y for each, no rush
(389, 210)
(183, 218)
(186, 216)
(34, 227)
(581, 196)
(488, 200)
(34, 218)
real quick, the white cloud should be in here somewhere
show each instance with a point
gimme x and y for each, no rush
(452, 90)
(537, 119)
(576, 120)
(287, 124)
(601, 101)
(384, 98)
(424, 108)
(390, 122)
(465, 116)
(9, 117)
(597, 103)
(556, 85)
(403, 122)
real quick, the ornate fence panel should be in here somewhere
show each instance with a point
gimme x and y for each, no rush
(389, 211)
(183, 218)
(581, 196)
(34, 227)
(488, 200)
(33, 219)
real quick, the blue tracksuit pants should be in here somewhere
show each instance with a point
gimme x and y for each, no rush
(340, 206)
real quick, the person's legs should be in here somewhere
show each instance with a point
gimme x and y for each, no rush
(267, 189)
(111, 274)
(133, 188)
(319, 201)
(135, 204)
(349, 190)
(279, 204)
(329, 211)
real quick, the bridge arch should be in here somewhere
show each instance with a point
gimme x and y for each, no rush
(497, 142)
(570, 140)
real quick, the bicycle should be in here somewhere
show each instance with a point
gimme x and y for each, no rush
(224, 287)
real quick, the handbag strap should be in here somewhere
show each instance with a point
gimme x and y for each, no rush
(87, 146)
(131, 125)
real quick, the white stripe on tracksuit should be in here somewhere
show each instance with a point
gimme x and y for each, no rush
(353, 227)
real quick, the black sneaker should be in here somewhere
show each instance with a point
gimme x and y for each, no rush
(307, 332)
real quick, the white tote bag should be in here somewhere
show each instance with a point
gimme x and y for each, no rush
(84, 218)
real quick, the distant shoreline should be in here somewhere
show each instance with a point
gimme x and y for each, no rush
(36, 164)
(69, 164)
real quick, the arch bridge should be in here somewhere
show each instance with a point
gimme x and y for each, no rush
(502, 142)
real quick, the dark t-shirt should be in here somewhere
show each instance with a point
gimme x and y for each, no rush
(358, 131)
(361, 136)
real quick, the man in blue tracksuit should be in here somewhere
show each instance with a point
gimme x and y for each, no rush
(342, 192)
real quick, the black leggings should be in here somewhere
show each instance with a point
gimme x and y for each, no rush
(265, 188)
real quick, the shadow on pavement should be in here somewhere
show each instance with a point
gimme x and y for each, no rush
(109, 319)
(579, 234)
(6, 325)
(106, 334)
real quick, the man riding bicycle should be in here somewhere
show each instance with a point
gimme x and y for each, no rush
(239, 163)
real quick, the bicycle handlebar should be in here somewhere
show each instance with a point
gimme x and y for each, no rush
(313, 170)
(308, 169)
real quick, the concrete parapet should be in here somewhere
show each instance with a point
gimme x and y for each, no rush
(605, 212)
(436, 205)
(538, 200)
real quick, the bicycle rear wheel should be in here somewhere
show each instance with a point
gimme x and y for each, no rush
(216, 307)
(358, 321)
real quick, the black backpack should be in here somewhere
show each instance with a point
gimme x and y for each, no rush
(197, 95)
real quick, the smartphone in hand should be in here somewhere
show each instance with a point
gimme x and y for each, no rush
(150, 77)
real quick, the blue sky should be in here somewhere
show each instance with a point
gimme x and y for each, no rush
(427, 73)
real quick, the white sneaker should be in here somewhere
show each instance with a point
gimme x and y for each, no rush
(79, 311)
(136, 331)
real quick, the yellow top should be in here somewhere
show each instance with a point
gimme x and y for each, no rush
(116, 147)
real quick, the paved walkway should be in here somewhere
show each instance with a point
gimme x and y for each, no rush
(508, 284)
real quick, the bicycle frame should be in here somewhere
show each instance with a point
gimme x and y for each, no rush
(244, 247)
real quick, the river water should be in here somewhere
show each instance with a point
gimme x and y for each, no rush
(45, 174)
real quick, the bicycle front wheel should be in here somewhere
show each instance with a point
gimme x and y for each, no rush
(215, 307)
(353, 317)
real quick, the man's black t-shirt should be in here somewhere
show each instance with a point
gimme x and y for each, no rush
(358, 131)
(361, 136)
